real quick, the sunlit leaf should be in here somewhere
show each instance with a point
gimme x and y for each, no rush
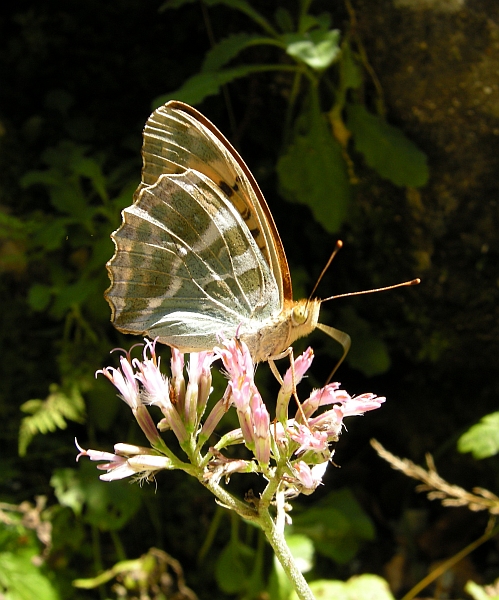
(318, 49)
(359, 587)
(20, 579)
(482, 439)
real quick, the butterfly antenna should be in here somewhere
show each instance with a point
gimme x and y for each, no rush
(339, 245)
(381, 289)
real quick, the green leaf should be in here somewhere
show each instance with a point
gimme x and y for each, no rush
(369, 353)
(106, 505)
(200, 86)
(308, 21)
(312, 171)
(337, 526)
(351, 73)
(368, 587)
(233, 567)
(20, 579)
(386, 149)
(318, 49)
(478, 592)
(302, 549)
(482, 439)
(12, 228)
(247, 9)
(228, 48)
(90, 168)
(359, 587)
(74, 294)
(284, 19)
(39, 296)
(51, 235)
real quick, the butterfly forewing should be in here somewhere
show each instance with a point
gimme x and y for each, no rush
(177, 137)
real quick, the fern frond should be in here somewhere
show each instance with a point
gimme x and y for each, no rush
(50, 414)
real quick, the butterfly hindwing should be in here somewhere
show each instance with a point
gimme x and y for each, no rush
(186, 267)
(178, 137)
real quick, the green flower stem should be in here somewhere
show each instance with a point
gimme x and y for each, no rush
(283, 553)
(227, 500)
(275, 535)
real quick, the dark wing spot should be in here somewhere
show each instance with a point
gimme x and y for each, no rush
(255, 233)
(226, 189)
(246, 213)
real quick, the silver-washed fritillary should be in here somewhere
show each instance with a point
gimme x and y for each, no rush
(198, 254)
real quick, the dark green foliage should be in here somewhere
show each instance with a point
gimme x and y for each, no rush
(386, 149)
(337, 525)
(312, 171)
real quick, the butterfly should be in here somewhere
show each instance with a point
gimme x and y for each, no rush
(198, 255)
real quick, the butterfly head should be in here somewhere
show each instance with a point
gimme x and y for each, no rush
(304, 316)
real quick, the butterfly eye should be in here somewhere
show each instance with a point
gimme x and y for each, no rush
(299, 314)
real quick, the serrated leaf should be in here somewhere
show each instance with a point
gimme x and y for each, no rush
(318, 49)
(312, 171)
(50, 414)
(200, 86)
(228, 48)
(386, 149)
(482, 439)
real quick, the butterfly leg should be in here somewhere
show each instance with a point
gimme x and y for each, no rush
(273, 368)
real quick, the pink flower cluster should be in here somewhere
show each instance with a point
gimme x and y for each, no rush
(300, 443)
